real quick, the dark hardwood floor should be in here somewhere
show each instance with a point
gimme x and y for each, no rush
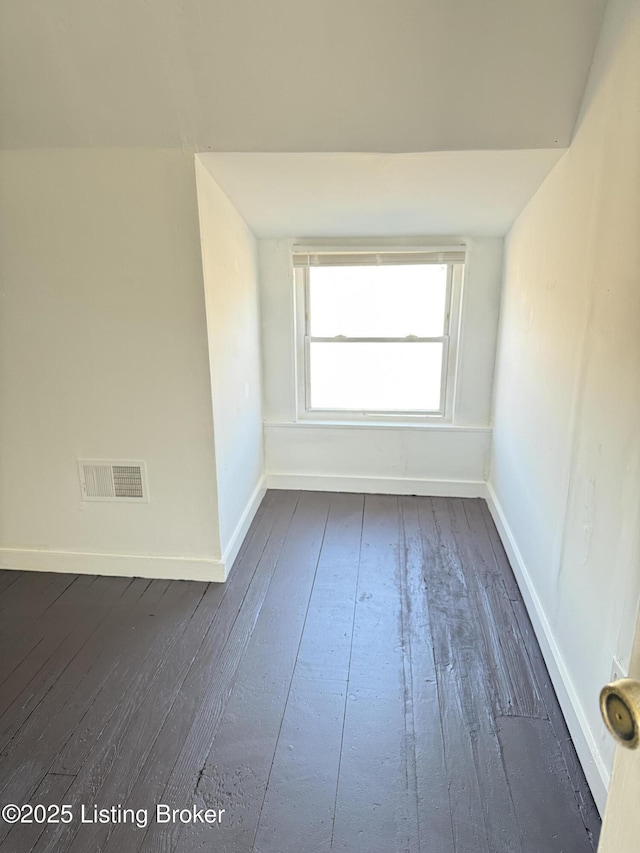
(367, 681)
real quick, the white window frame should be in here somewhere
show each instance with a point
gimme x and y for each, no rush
(449, 338)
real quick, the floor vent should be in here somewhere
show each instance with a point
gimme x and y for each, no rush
(113, 481)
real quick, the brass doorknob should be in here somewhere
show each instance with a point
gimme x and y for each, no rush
(620, 709)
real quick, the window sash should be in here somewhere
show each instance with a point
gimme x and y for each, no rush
(447, 311)
(444, 367)
(454, 260)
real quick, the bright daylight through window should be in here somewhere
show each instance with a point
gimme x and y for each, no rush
(377, 331)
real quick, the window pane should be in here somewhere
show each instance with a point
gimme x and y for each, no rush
(382, 377)
(377, 302)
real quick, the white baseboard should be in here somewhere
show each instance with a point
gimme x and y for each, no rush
(120, 565)
(133, 565)
(242, 527)
(583, 739)
(377, 485)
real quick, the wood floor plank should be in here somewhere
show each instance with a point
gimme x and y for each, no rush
(42, 654)
(50, 668)
(298, 808)
(499, 811)
(367, 680)
(586, 803)
(46, 731)
(513, 684)
(211, 678)
(68, 662)
(109, 768)
(134, 675)
(476, 512)
(279, 611)
(26, 585)
(469, 703)
(17, 646)
(435, 828)
(548, 815)
(499, 553)
(25, 602)
(325, 650)
(7, 577)
(479, 562)
(452, 633)
(51, 791)
(238, 763)
(299, 805)
(376, 806)
(41, 596)
(198, 690)
(56, 621)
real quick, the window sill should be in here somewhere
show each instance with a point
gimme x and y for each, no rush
(400, 424)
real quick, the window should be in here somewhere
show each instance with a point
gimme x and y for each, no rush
(376, 332)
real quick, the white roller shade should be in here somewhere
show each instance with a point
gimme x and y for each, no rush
(369, 258)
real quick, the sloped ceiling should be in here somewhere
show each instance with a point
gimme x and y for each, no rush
(294, 75)
(472, 193)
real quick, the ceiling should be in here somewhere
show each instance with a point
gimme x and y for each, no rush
(294, 75)
(472, 193)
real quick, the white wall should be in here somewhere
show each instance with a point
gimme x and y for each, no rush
(103, 354)
(442, 459)
(565, 474)
(229, 256)
(294, 75)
